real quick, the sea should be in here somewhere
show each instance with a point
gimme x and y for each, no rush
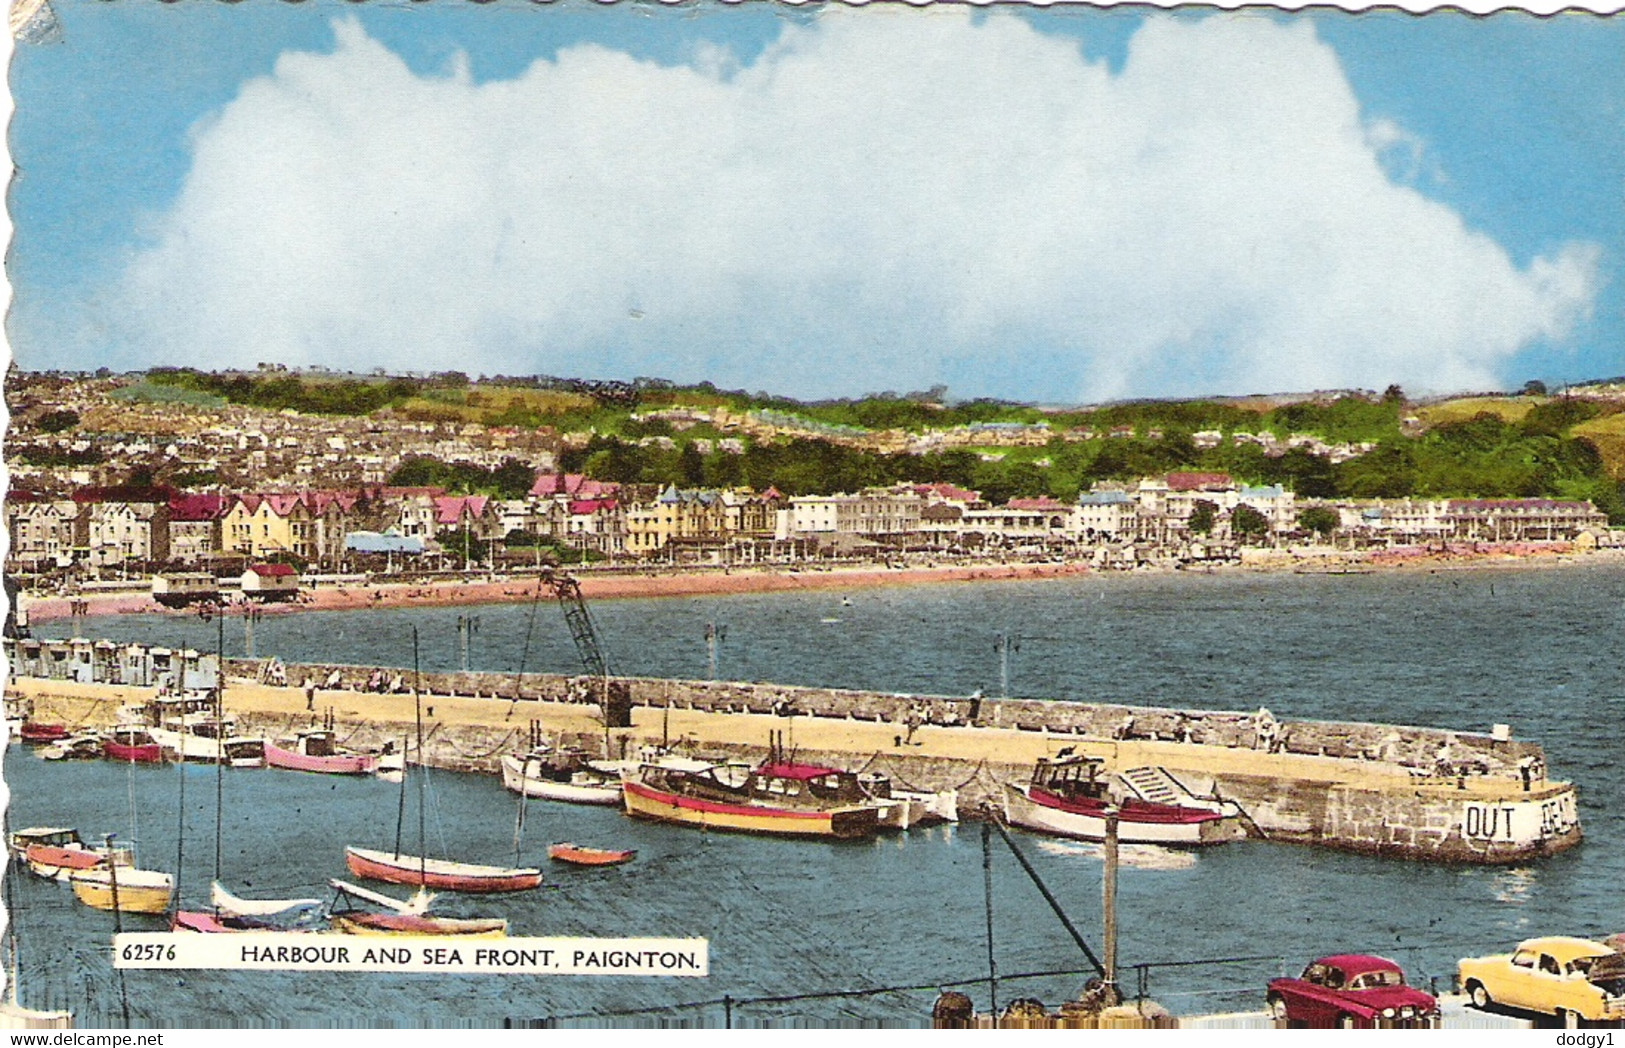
(809, 933)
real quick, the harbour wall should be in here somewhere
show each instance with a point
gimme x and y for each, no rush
(1403, 791)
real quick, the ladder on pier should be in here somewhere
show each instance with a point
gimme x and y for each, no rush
(1157, 786)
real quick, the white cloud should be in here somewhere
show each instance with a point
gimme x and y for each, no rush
(883, 199)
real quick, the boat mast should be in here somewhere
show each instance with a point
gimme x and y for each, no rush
(417, 700)
(220, 740)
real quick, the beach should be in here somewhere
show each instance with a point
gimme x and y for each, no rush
(601, 584)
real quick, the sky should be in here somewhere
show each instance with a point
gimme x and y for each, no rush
(1062, 205)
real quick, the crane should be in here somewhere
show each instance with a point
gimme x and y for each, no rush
(615, 702)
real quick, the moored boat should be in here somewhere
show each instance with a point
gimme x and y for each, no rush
(233, 914)
(317, 751)
(405, 918)
(36, 732)
(359, 923)
(83, 747)
(564, 777)
(778, 799)
(134, 745)
(60, 862)
(1069, 797)
(209, 742)
(580, 855)
(54, 852)
(442, 874)
(131, 890)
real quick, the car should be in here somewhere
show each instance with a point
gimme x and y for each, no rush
(1572, 979)
(1352, 991)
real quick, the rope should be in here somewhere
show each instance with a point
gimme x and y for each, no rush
(452, 745)
(981, 766)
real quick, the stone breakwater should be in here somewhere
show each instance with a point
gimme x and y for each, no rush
(1409, 792)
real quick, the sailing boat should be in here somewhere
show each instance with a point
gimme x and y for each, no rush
(444, 874)
(229, 913)
(406, 918)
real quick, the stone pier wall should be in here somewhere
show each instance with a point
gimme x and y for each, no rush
(1411, 748)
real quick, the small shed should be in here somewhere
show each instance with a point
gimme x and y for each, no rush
(178, 588)
(270, 582)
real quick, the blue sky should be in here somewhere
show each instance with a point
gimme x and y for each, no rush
(1051, 205)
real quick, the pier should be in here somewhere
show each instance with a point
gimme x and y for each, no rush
(1407, 792)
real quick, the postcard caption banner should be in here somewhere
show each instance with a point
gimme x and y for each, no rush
(297, 951)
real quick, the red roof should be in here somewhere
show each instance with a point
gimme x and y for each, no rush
(796, 772)
(584, 507)
(272, 571)
(946, 493)
(197, 507)
(449, 509)
(1044, 504)
(1199, 481)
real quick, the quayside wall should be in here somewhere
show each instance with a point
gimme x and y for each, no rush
(1410, 792)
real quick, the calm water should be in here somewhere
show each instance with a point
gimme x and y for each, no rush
(1460, 649)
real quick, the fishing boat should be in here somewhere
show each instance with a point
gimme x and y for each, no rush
(567, 777)
(405, 918)
(318, 751)
(1068, 797)
(580, 855)
(132, 744)
(212, 740)
(775, 798)
(130, 889)
(441, 874)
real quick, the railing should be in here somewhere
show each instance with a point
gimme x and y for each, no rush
(728, 1008)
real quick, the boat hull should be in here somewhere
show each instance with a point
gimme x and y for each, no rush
(338, 764)
(32, 732)
(138, 891)
(238, 752)
(143, 753)
(577, 855)
(439, 873)
(513, 777)
(54, 862)
(413, 924)
(646, 802)
(1198, 828)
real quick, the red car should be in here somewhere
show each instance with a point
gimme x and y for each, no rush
(1352, 991)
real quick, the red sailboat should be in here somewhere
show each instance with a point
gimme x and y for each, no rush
(441, 874)
(396, 867)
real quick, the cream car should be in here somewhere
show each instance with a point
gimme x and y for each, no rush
(1573, 979)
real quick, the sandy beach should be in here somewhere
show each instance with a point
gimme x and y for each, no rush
(596, 586)
(605, 585)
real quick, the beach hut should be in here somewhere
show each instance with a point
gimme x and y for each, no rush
(270, 582)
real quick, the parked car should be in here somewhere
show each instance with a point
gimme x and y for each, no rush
(1352, 991)
(1570, 978)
